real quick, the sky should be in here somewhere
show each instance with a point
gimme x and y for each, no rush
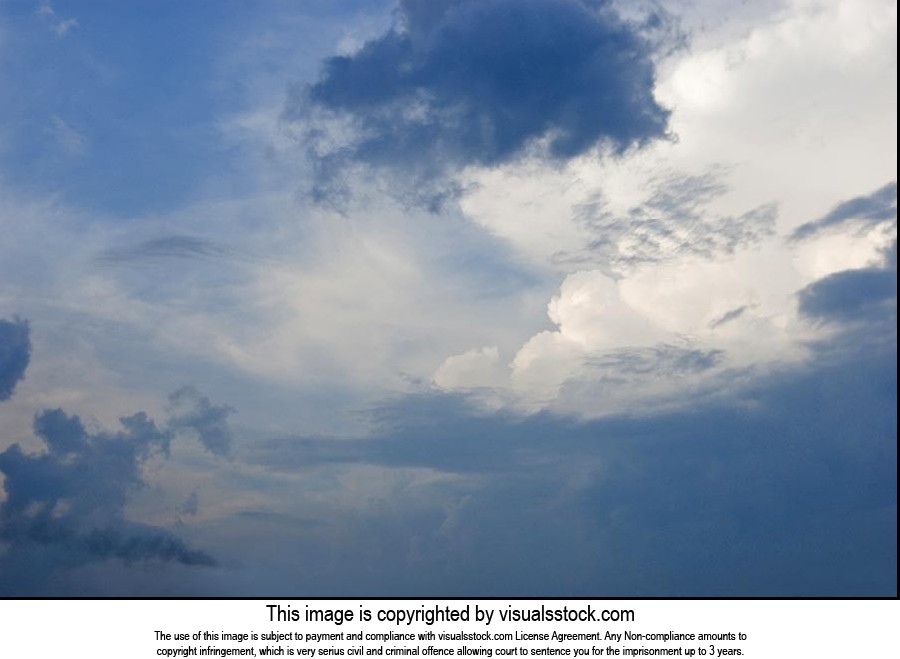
(448, 298)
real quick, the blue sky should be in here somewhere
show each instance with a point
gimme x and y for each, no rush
(456, 297)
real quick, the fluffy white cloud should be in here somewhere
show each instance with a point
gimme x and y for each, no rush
(480, 367)
(845, 249)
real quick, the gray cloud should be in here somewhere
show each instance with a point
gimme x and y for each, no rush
(72, 496)
(792, 495)
(191, 505)
(193, 411)
(15, 353)
(789, 490)
(875, 208)
(665, 360)
(728, 316)
(66, 505)
(850, 296)
(163, 248)
(673, 221)
(461, 82)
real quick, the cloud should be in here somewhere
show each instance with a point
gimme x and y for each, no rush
(857, 234)
(666, 266)
(661, 337)
(474, 368)
(67, 504)
(462, 82)
(785, 490)
(660, 360)
(851, 295)
(432, 430)
(191, 505)
(15, 352)
(72, 497)
(60, 26)
(728, 316)
(875, 208)
(162, 248)
(68, 137)
(193, 411)
(674, 221)
(669, 260)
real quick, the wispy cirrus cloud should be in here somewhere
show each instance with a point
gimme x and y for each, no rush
(674, 221)
(163, 248)
(69, 138)
(57, 24)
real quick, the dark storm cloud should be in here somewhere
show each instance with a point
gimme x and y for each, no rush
(73, 495)
(478, 81)
(850, 296)
(15, 352)
(65, 507)
(788, 490)
(141, 545)
(860, 298)
(879, 206)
